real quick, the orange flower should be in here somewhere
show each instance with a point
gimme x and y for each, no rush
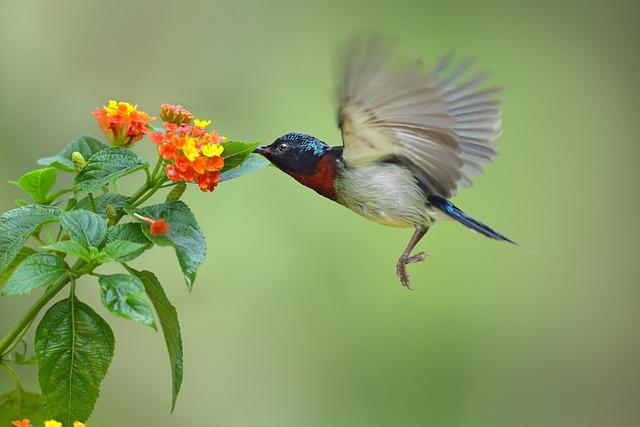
(21, 423)
(175, 114)
(122, 123)
(157, 227)
(193, 154)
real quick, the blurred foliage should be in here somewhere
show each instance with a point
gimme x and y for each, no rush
(300, 320)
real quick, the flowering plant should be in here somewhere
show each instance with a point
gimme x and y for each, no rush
(70, 233)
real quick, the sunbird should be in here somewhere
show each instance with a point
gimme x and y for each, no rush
(411, 138)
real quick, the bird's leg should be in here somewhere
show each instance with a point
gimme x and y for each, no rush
(407, 258)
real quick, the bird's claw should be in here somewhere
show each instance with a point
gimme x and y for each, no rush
(401, 267)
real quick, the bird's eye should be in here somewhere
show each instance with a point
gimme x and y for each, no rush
(282, 147)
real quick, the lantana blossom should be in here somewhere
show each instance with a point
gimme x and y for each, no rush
(193, 154)
(21, 423)
(122, 122)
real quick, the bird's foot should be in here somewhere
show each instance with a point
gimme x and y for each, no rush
(401, 267)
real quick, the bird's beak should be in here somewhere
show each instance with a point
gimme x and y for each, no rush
(263, 149)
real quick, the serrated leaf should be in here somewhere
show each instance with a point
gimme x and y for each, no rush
(123, 295)
(38, 183)
(185, 236)
(70, 247)
(168, 317)
(19, 404)
(24, 253)
(120, 251)
(105, 167)
(118, 201)
(83, 144)
(74, 347)
(37, 271)
(18, 224)
(252, 163)
(85, 227)
(131, 232)
(235, 152)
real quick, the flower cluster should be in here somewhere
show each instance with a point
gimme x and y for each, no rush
(192, 153)
(51, 423)
(122, 123)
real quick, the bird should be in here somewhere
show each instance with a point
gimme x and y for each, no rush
(412, 136)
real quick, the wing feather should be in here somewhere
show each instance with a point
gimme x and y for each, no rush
(439, 125)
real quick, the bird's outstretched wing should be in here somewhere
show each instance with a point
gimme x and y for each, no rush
(437, 123)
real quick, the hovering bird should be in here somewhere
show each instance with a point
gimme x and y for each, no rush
(411, 139)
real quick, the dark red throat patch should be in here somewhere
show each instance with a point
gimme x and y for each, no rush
(322, 178)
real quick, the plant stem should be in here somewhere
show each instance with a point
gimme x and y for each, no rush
(156, 168)
(57, 194)
(147, 196)
(28, 317)
(18, 338)
(93, 203)
(13, 374)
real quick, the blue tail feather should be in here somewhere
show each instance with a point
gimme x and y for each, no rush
(454, 212)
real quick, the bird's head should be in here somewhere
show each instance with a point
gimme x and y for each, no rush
(295, 152)
(307, 159)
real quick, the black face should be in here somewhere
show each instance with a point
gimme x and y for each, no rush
(295, 152)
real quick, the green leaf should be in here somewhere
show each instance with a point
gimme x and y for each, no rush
(83, 144)
(118, 201)
(120, 251)
(123, 295)
(131, 232)
(235, 152)
(170, 326)
(70, 247)
(19, 404)
(85, 227)
(252, 163)
(37, 271)
(38, 183)
(105, 167)
(24, 253)
(184, 236)
(74, 347)
(18, 224)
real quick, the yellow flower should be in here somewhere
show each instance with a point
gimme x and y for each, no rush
(78, 424)
(190, 151)
(201, 123)
(52, 423)
(211, 150)
(113, 107)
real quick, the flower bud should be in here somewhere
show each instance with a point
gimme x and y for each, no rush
(157, 227)
(78, 161)
(111, 211)
(176, 193)
(177, 114)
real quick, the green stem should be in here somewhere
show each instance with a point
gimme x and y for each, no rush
(13, 374)
(151, 192)
(18, 339)
(27, 318)
(57, 194)
(156, 169)
(93, 203)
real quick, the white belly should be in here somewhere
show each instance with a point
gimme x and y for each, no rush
(385, 193)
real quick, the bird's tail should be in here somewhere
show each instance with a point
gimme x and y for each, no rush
(454, 212)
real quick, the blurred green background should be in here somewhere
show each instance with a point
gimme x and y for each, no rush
(297, 318)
